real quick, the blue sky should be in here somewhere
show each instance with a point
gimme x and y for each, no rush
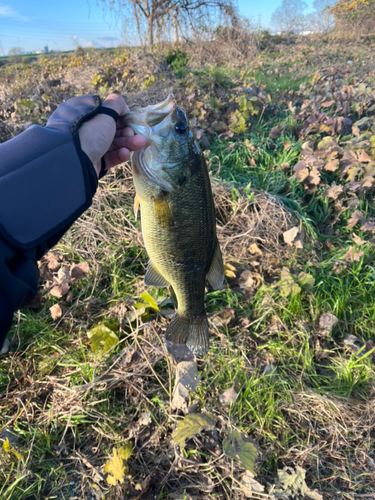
(34, 24)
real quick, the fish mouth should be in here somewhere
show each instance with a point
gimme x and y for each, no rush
(144, 120)
(152, 120)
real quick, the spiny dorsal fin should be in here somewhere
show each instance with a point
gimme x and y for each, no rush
(136, 206)
(216, 273)
(154, 278)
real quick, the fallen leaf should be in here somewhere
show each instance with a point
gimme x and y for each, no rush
(250, 485)
(332, 165)
(186, 381)
(353, 255)
(9, 449)
(306, 280)
(237, 447)
(78, 271)
(63, 275)
(294, 483)
(56, 311)
(357, 240)
(102, 338)
(116, 468)
(255, 250)
(293, 237)
(229, 396)
(53, 263)
(363, 157)
(327, 322)
(287, 145)
(276, 131)
(333, 191)
(355, 218)
(288, 285)
(59, 291)
(190, 425)
(327, 104)
(246, 281)
(149, 301)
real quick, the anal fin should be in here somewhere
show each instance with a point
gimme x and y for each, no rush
(216, 273)
(154, 278)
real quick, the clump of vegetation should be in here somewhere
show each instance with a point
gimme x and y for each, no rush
(177, 59)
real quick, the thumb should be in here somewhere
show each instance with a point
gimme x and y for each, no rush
(117, 103)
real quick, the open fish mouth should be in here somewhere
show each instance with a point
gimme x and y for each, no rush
(153, 120)
(149, 119)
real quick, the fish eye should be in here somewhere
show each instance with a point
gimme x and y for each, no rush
(180, 127)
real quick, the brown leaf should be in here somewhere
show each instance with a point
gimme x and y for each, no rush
(56, 311)
(357, 240)
(255, 250)
(276, 131)
(327, 104)
(314, 177)
(78, 271)
(328, 322)
(63, 276)
(363, 157)
(287, 145)
(293, 237)
(368, 226)
(246, 281)
(355, 218)
(353, 255)
(229, 396)
(59, 290)
(186, 380)
(52, 261)
(332, 165)
(333, 192)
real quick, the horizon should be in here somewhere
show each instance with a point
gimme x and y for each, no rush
(30, 28)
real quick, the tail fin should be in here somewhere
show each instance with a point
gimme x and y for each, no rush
(193, 332)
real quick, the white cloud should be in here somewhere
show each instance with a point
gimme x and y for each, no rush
(7, 11)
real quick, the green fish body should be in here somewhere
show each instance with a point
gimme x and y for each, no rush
(178, 219)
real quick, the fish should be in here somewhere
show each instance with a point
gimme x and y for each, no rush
(178, 222)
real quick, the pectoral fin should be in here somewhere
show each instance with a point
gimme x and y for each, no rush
(136, 206)
(216, 273)
(154, 278)
(163, 212)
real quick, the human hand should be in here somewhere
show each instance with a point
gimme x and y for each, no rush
(102, 136)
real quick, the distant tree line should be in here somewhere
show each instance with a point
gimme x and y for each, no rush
(345, 16)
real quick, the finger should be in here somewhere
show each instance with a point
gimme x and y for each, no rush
(124, 132)
(131, 143)
(116, 102)
(116, 157)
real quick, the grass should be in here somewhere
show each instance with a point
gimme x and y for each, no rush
(305, 397)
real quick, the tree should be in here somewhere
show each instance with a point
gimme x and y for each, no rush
(289, 17)
(15, 51)
(323, 17)
(149, 14)
(354, 16)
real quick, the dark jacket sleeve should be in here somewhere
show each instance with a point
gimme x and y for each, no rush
(46, 183)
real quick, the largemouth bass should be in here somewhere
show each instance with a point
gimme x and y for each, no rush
(177, 217)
